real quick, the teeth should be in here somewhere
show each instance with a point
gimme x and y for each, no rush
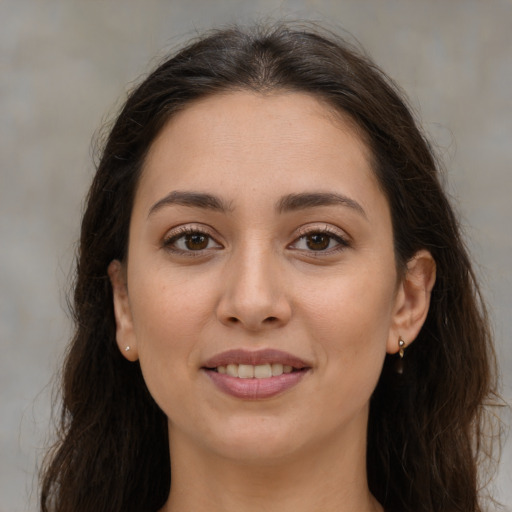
(263, 371)
(260, 371)
(232, 370)
(277, 369)
(245, 371)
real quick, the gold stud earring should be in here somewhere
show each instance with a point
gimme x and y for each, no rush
(399, 366)
(401, 349)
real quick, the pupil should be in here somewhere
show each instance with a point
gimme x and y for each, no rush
(317, 242)
(196, 241)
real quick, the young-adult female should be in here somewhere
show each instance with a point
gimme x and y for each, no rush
(274, 307)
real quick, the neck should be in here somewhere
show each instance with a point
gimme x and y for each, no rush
(328, 478)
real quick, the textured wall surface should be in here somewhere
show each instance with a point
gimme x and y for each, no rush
(63, 65)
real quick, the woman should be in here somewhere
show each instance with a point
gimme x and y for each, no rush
(274, 308)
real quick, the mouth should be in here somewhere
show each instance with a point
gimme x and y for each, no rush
(259, 364)
(255, 374)
(260, 371)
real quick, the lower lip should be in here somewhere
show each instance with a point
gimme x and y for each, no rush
(255, 389)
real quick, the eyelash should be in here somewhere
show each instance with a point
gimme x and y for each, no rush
(181, 232)
(342, 242)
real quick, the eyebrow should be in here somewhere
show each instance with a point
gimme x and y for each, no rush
(292, 202)
(192, 199)
(288, 203)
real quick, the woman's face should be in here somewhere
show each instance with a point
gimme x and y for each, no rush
(261, 291)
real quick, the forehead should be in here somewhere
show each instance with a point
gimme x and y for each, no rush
(281, 141)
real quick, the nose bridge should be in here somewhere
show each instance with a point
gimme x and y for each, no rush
(252, 291)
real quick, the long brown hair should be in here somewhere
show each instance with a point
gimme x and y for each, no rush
(426, 427)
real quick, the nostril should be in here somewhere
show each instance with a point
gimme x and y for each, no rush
(253, 323)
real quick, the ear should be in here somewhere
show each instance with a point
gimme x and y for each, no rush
(125, 335)
(412, 300)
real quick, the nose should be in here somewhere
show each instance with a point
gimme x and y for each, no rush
(254, 295)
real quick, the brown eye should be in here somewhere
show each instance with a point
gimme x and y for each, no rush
(196, 241)
(318, 241)
(323, 241)
(190, 241)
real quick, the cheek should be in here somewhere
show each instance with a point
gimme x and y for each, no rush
(357, 303)
(164, 332)
(350, 319)
(167, 324)
(167, 308)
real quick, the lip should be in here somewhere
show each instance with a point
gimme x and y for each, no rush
(255, 389)
(255, 357)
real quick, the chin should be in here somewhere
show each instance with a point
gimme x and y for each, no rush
(262, 439)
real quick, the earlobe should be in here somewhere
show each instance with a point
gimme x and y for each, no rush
(125, 336)
(412, 300)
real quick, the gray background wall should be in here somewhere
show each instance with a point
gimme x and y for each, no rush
(63, 64)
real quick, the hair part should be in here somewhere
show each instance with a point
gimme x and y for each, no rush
(425, 429)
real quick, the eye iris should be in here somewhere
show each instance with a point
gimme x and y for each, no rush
(317, 241)
(196, 241)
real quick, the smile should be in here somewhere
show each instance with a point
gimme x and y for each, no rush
(249, 371)
(255, 375)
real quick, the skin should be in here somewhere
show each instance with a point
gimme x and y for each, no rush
(257, 284)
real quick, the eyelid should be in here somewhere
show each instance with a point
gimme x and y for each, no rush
(342, 238)
(177, 232)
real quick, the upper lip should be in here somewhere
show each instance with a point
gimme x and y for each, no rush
(255, 357)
